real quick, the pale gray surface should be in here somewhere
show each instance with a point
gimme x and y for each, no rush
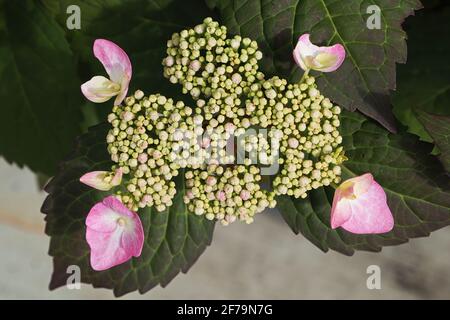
(262, 261)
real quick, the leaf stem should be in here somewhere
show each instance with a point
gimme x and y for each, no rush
(305, 74)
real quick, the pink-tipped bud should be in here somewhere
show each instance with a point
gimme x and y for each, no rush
(147, 199)
(221, 196)
(142, 158)
(293, 143)
(236, 78)
(195, 65)
(210, 181)
(169, 61)
(127, 116)
(245, 195)
(230, 127)
(157, 154)
(142, 183)
(143, 144)
(189, 194)
(141, 130)
(211, 196)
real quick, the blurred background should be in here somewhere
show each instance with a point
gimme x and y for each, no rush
(264, 260)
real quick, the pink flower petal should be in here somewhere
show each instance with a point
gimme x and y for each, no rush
(362, 183)
(102, 218)
(338, 52)
(117, 64)
(106, 250)
(100, 89)
(304, 48)
(325, 59)
(123, 91)
(117, 206)
(338, 217)
(114, 60)
(114, 234)
(133, 241)
(360, 206)
(96, 179)
(117, 179)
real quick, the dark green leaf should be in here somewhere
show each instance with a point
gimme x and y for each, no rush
(367, 75)
(40, 76)
(439, 129)
(141, 28)
(423, 83)
(39, 88)
(52, 6)
(416, 185)
(174, 239)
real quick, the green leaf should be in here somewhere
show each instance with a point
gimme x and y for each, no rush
(52, 6)
(439, 129)
(368, 74)
(41, 70)
(141, 28)
(38, 79)
(423, 81)
(174, 239)
(416, 186)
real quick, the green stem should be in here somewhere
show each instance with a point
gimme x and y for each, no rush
(334, 185)
(305, 74)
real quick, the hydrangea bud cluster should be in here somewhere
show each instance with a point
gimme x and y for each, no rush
(153, 138)
(307, 124)
(299, 116)
(140, 142)
(227, 193)
(214, 69)
(258, 147)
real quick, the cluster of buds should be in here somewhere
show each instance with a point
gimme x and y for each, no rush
(153, 138)
(214, 69)
(307, 125)
(289, 131)
(222, 75)
(140, 143)
(227, 194)
(258, 147)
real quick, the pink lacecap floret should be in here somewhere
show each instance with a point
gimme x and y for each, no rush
(114, 234)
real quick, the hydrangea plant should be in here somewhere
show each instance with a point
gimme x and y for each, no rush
(137, 200)
(152, 138)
